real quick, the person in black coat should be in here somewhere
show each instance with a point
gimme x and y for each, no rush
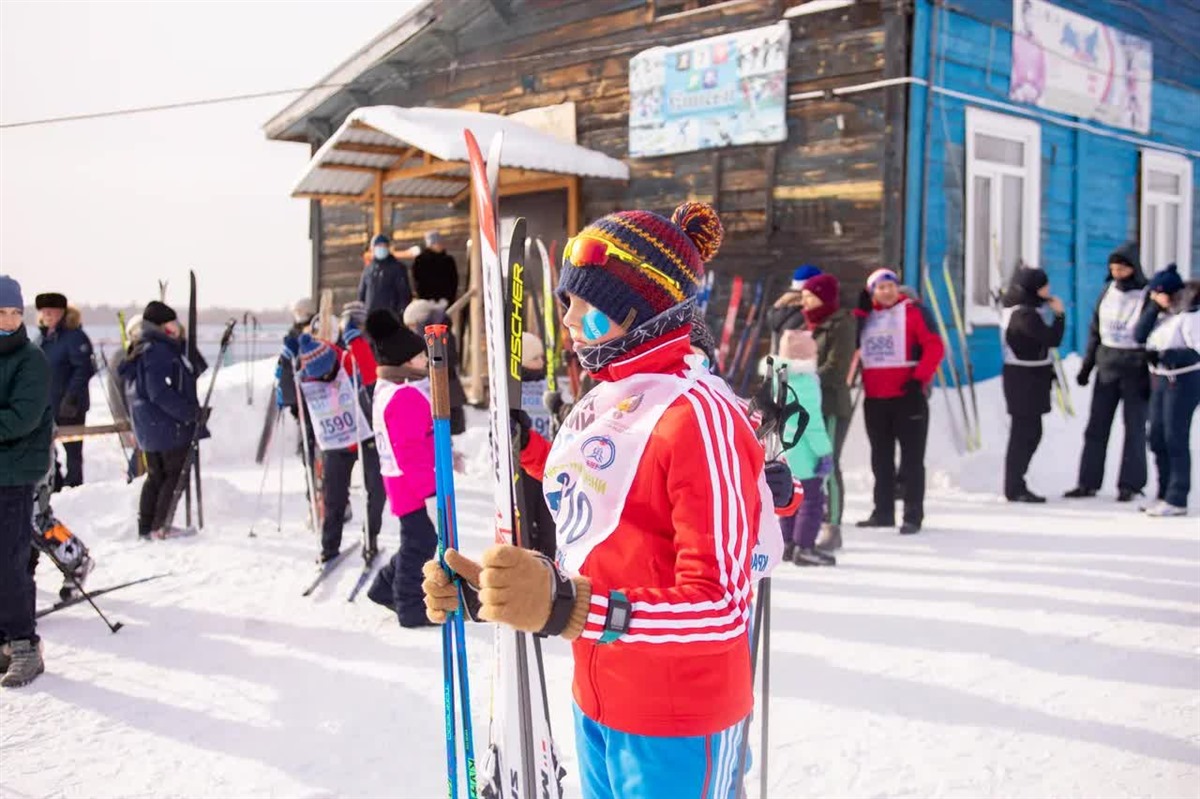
(435, 272)
(160, 382)
(69, 351)
(1031, 324)
(1122, 379)
(384, 282)
(788, 311)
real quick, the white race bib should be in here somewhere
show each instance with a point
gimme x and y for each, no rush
(885, 338)
(1119, 312)
(533, 402)
(384, 391)
(337, 417)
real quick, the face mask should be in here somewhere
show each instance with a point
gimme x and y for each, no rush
(4, 333)
(381, 253)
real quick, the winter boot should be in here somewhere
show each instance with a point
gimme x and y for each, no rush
(381, 591)
(1079, 492)
(789, 551)
(70, 587)
(830, 538)
(5, 656)
(910, 528)
(1026, 496)
(1127, 494)
(1164, 509)
(813, 557)
(25, 664)
(875, 521)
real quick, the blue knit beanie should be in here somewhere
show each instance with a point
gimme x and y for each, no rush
(317, 359)
(1167, 281)
(10, 293)
(671, 254)
(802, 274)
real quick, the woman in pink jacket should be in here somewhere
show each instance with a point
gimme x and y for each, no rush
(403, 427)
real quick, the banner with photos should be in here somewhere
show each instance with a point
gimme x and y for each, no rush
(1066, 62)
(725, 90)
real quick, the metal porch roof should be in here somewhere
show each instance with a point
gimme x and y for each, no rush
(421, 154)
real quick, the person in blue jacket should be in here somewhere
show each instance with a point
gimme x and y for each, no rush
(384, 282)
(69, 351)
(160, 382)
(1170, 329)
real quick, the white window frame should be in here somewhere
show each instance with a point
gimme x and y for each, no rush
(1029, 133)
(1181, 167)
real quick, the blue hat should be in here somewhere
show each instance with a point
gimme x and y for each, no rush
(382, 238)
(317, 359)
(1167, 281)
(803, 273)
(10, 293)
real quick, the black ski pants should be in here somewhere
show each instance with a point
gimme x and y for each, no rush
(904, 421)
(1024, 436)
(163, 470)
(1129, 388)
(1172, 404)
(838, 427)
(418, 543)
(17, 594)
(339, 463)
(74, 450)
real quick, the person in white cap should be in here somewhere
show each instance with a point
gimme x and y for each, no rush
(900, 354)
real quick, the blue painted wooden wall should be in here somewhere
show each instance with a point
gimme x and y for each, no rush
(1090, 182)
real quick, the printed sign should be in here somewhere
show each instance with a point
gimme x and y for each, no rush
(1066, 62)
(726, 90)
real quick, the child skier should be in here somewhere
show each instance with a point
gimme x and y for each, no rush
(404, 440)
(810, 454)
(666, 464)
(331, 383)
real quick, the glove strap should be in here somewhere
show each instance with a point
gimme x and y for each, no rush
(562, 601)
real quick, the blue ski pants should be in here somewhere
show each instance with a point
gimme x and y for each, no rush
(619, 765)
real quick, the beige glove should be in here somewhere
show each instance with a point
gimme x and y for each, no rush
(515, 588)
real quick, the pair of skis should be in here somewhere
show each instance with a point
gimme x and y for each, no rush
(522, 758)
(972, 439)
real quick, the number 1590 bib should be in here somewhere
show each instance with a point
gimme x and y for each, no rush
(337, 419)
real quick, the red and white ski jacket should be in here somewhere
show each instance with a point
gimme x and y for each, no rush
(681, 555)
(897, 346)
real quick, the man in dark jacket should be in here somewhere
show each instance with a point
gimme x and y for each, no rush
(161, 385)
(435, 273)
(1122, 379)
(26, 424)
(384, 282)
(1031, 324)
(69, 351)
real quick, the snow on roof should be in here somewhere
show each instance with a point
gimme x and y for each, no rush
(390, 138)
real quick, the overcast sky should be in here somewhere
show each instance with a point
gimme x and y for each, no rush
(102, 209)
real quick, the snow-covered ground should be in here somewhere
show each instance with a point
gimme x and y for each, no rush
(1006, 651)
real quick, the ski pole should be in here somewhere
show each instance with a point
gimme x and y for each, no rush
(310, 481)
(279, 453)
(262, 487)
(950, 367)
(79, 587)
(963, 348)
(453, 631)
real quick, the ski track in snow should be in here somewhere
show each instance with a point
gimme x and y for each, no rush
(1005, 651)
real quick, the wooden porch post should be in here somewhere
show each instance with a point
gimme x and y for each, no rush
(475, 390)
(378, 203)
(572, 205)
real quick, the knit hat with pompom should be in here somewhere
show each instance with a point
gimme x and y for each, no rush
(671, 254)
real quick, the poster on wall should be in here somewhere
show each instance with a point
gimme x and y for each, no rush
(1066, 62)
(725, 90)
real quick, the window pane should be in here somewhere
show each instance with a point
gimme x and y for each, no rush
(999, 151)
(1011, 225)
(981, 217)
(1150, 235)
(1166, 182)
(1170, 226)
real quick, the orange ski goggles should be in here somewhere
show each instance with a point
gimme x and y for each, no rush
(586, 250)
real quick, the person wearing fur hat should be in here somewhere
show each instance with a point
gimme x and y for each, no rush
(69, 351)
(404, 439)
(435, 272)
(834, 330)
(1170, 329)
(652, 583)
(336, 387)
(421, 313)
(1122, 378)
(808, 451)
(164, 406)
(1031, 325)
(900, 354)
(384, 282)
(26, 427)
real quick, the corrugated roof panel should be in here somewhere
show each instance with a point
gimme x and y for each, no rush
(423, 187)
